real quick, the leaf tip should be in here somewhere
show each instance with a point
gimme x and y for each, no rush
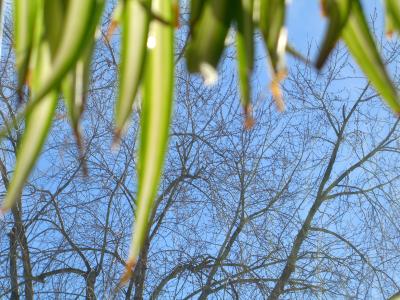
(130, 267)
(276, 90)
(248, 117)
(116, 142)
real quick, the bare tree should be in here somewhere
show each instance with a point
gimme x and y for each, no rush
(304, 205)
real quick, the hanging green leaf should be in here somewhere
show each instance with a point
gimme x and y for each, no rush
(38, 121)
(271, 22)
(24, 21)
(54, 18)
(337, 12)
(208, 38)
(196, 9)
(155, 120)
(76, 36)
(245, 54)
(392, 15)
(135, 27)
(361, 45)
(389, 24)
(75, 88)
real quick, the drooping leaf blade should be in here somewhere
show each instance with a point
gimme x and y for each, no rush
(37, 122)
(362, 47)
(272, 26)
(196, 9)
(392, 15)
(208, 37)
(24, 22)
(75, 88)
(80, 23)
(135, 27)
(245, 54)
(54, 20)
(337, 12)
(155, 120)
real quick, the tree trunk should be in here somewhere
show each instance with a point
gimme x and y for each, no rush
(13, 265)
(90, 282)
(139, 274)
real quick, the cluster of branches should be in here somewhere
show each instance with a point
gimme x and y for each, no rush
(304, 205)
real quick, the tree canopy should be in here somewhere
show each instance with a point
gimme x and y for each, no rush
(54, 42)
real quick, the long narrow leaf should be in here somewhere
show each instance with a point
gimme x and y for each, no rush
(135, 27)
(37, 122)
(196, 8)
(155, 121)
(361, 44)
(393, 14)
(24, 21)
(208, 37)
(271, 22)
(80, 23)
(75, 88)
(54, 20)
(245, 54)
(338, 12)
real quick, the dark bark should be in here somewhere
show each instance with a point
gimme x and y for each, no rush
(139, 275)
(90, 282)
(13, 265)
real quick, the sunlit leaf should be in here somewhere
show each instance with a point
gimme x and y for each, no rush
(392, 15)
(135, 27)
(24, 21)
(361, 44)
(37, 122)
(155, 120)
(80, 23)
(54, 17)
(75, 88)
(245, 54)
(271, 22)
(337, 12)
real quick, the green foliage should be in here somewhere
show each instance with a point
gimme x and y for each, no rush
(54, 42)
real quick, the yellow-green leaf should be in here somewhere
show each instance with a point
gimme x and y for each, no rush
(196, 8)
(54, 17)
(24, 21)
(135, 27)
(338, 12)
(392, 15)
(245, 54)
(38, 120)
(75, 88)
(155, 119)
(362, 46)
(271, 22)
(80, 23)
